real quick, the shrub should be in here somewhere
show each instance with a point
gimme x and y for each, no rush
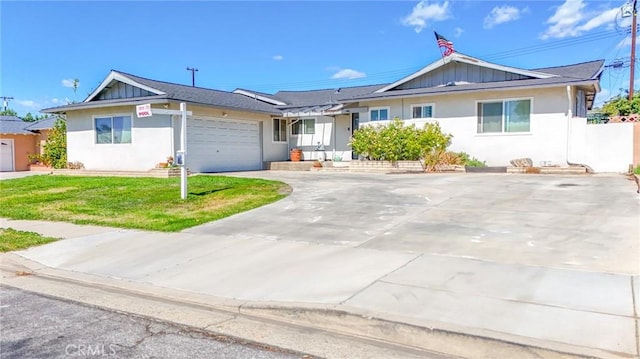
(397, 142)
(77, 165)
(435, 160)
(469, 161)
(55, 149)
(637, 170)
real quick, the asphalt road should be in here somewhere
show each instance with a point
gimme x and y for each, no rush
(34, 326)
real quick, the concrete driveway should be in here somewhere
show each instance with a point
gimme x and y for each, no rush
(589, 223)
(520, 258)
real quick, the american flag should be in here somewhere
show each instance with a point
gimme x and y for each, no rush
(443, 42)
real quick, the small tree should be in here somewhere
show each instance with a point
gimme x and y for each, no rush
(55, 149)
(8, 112)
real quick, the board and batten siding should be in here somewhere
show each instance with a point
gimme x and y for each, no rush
(120, 90)
(458, 72)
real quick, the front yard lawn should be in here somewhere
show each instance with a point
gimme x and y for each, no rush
(12, 240)
(141, 203)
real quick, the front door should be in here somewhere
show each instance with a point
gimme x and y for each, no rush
(355, 123)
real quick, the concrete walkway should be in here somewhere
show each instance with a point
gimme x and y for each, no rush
(522, 259)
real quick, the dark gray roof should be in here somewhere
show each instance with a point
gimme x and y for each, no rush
(205, 96)
(325, 96)
(584, 70)
(44, 124)
(471, 87)
(14, 125)
(263, 94)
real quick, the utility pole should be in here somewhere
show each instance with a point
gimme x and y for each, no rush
(5, 101)
(193, 75)
(633, 50)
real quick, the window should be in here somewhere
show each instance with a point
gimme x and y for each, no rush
(504, 116)
(305, 126)
(116, 129)
(279, 130)
(379, 114)
(422, 111)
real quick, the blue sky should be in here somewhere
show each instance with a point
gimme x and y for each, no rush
(286, 45)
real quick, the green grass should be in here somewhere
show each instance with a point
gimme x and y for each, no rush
(140, 203)
(12, 240)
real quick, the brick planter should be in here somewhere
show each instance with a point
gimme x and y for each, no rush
(386, 166)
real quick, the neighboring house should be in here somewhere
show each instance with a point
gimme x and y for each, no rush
(19, 139)
(495, 113)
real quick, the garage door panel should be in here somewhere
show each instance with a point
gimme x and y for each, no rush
(223, 145)
(6, 155)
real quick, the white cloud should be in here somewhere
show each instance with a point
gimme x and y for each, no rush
(457, 32)
(572, 19)
(28, 103)
(604, 18)
(348, 74)
(278, 57)
(425, 12)
(69, 83)
(55, 101)
(501, 14)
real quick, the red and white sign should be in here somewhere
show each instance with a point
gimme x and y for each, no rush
(144, 110)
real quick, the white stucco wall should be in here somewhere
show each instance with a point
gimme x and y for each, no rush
(151, 141)
(153, 138)
(546, 140)
(609, 147)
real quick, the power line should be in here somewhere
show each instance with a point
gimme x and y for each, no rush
(384, 76)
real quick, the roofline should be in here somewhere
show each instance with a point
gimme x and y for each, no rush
(115, 75)
(594, 82)
(458, 57)
(140, 101)
(259, 97)
(15, 133)
(106, 103)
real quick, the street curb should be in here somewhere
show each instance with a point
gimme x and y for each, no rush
(343, 320)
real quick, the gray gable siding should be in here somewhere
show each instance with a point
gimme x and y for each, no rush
(459, 72)
(118, 90)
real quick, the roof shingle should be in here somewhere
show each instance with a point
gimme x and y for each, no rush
(14, 125)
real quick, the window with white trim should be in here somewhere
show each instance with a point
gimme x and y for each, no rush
(114, 129)
(504, 116)
(279, 130)
(379, 114)
(422, 111)
(305, 126)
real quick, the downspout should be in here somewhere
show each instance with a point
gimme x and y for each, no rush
(569, 134)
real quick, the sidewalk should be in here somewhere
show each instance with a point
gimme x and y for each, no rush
(556, 310)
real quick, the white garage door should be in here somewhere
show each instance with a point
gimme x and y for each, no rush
(223, 145)
(6, 155)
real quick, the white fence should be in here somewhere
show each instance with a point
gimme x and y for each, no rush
(603, 147)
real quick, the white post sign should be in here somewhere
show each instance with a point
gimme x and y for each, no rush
(183, 148)
(144, 110)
